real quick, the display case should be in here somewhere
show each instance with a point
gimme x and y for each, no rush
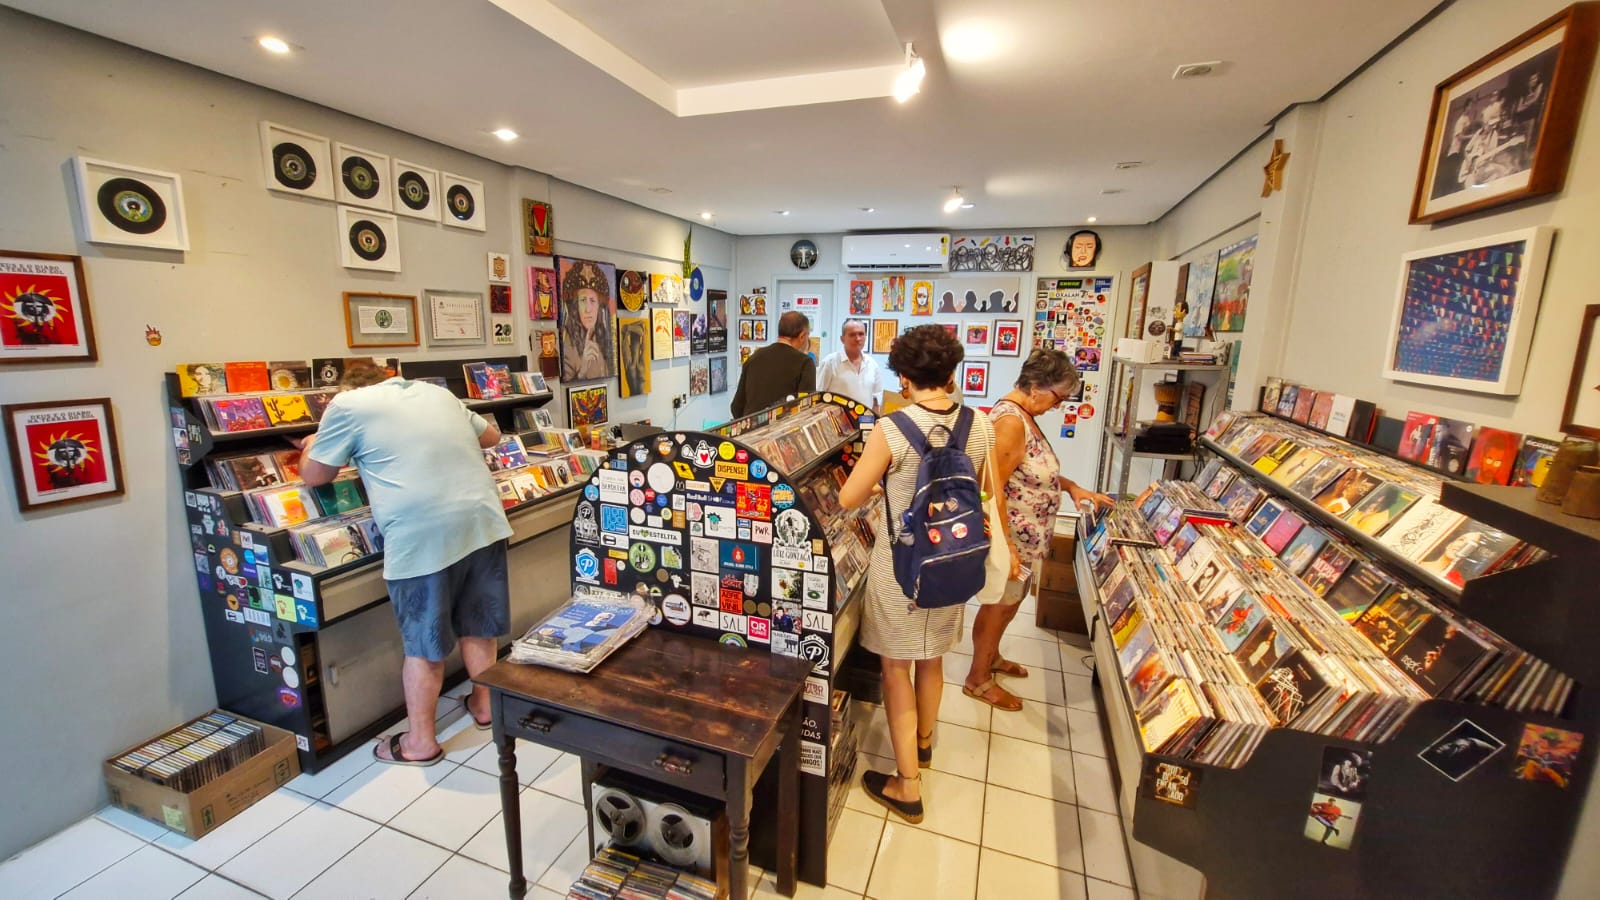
(1487, 808)
(735, 535)
(315, 649)
(1128, 379)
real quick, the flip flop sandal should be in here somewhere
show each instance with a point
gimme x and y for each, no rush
(397, 758)
(1008, 668)
(466, 704)
(980, 693)
(874, 782)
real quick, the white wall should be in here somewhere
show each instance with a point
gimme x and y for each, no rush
(103, 644)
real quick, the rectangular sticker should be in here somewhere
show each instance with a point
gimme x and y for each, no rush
(654, 535)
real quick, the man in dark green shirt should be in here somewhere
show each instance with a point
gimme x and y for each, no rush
(777, 370)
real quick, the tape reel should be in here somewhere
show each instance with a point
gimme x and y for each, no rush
(620, 816)
(679, 836)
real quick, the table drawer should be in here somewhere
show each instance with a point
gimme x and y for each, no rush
(669, 762)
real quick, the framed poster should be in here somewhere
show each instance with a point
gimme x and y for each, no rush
(63, 451)
(541, 293)
(992, 253)
(1230, 294)
(130, 206)
(1502, 129)
(884, 331)
(717, 320)
(660, 333)
(1008, 337)
(975, 337)
(380, 320)
(1138, 296)
(538, 226)
(633, 356)
(587, 319)
(587, 406)
(1197, 296)
(455, 317)
(1581, 415)
(1465, 312)
(44, 309)
(975, 379)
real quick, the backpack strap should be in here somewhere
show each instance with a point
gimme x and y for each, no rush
(963, 427)
(910, 430)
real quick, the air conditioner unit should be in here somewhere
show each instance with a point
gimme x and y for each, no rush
(897, 252)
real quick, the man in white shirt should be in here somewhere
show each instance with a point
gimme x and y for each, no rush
(850, 371)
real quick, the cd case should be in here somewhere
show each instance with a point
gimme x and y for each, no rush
(582, 632)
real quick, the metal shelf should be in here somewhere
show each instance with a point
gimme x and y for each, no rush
(1171, 364)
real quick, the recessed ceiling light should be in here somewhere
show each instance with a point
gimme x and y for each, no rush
(273, 44)
(660, 190)
(706, 216)
(1110, 191)
(869, 209)
(1130, 164)
(781, 212)
(967, 205)
(1196, 70)
(505, 134)
(1091, 220)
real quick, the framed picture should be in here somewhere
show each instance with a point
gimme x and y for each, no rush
(368, 240)
(760, 329)
(538, 227)
(633, 355)
(975, 379)
(1008, 337)
(380, 320)
(1138, 296)
(541, 293)
(660, 333)
(588, 406)
(502, 330)
(455, 317)
(500, 299)
(361, 177)
(44, 309)
(1581, 415)
(587, 319)
(975, 337)
(130, 206)
(1230, 295)
(884, 331)
(1465, 313)
(463, 202)
(1502, 129)
(1197, 296)
(633, 289)
(699, 377)
(296, 161)
(63, 451)
(719, 374)
(416, 190)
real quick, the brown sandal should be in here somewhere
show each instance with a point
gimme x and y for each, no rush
(1008, 701)
(1008, 668)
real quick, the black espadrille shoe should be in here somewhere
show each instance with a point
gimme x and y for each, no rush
(875, 782)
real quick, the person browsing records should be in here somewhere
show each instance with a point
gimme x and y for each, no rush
(851, 371)
(1031, 484)
(779, 369)
(420, 454)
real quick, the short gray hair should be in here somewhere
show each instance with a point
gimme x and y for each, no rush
(1048, 368)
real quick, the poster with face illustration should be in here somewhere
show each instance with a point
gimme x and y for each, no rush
(587, 320)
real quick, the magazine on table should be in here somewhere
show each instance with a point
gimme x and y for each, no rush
(584, 631)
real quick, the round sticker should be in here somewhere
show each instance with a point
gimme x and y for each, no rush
(640, 454)
(636, 479)
(636, 515)
(662, 500)
(288, 656)
(291, 676)
(591, 492)
(958, 530)
(725, 450)
(642, 557)
(758, 469)
(772, 477)
(1086, 411)
(230, 560)
(742, 456)
(660, 477)
(763, 609)
(749, 607)
(933, 536)
(676, 609)
(636, 497)
(663, 447)
(733, 640)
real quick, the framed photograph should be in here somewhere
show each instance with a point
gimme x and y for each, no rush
(975, 379)
(130, 206)
(538, 221)
(1502, 129)
(455, 317)
(588, 406)
(63, 451)
(975, 337)
(1581, 415)
(884, 331)
(415, 189)
(1464, 318)
(296, 161)
(368, 240)
(380, 320)
(1138, 296)
(1008, 337)
(44, 309)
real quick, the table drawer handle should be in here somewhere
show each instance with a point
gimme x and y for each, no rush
(537, 722)
(674, 765)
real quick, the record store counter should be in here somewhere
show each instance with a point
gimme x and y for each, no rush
(672, 708)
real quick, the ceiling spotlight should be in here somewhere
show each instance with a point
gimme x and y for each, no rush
(909, 82)
(274, 44)
(706, 216)
(1091, 220)
(968, 205)
(955, 202)
(505, 134)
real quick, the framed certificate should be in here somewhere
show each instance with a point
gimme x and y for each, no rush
(455, 318)
(380, 320)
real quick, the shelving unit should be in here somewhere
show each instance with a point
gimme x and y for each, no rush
(721, 581)
(315, 650)
(1116, 451)
(1420, 834)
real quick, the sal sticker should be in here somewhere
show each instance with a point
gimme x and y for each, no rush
(817, 621)
(731, 622)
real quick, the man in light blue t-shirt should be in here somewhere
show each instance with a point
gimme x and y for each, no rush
(419, 452)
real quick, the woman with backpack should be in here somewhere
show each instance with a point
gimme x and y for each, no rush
(928, 458)
(1027, 468)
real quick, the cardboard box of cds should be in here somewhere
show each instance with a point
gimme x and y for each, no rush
(203, 773)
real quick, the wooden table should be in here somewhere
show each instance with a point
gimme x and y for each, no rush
(680, 710)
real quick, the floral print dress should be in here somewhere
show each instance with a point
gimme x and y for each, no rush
(1033, 493)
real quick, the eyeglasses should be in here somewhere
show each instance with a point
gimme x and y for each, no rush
(1058, 398)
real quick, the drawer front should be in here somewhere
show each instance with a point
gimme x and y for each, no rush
(656, 758)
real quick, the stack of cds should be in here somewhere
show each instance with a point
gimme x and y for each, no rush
(850, 533)
(523, 474)
(583, 632)
(196, 753)
(617, 873)
(801, 437)
(338, 540)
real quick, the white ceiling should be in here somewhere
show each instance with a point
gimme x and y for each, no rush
(1032, 134)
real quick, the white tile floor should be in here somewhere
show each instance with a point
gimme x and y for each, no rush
(1019, 805)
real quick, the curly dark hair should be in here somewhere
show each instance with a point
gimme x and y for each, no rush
(1047, 368)
(926, 355)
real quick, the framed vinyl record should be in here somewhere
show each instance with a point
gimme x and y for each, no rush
(295, 161)
(415, 189)
(463, 202)
(130, 206)
(368, 240)
(44, 309)
(361, 178)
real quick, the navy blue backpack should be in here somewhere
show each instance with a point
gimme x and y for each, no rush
(942, 542)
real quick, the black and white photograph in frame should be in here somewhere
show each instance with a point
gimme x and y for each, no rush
(463, 202)
(131, 206)
(415, 189)
(295, 161)
(368, 240)
(361, 177)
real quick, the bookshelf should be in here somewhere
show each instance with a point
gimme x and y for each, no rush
(315, 650)
(1489, 834)
(1121, 419)
(745, 545)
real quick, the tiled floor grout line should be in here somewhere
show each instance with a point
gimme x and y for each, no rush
(430, 875)
(97, 872)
